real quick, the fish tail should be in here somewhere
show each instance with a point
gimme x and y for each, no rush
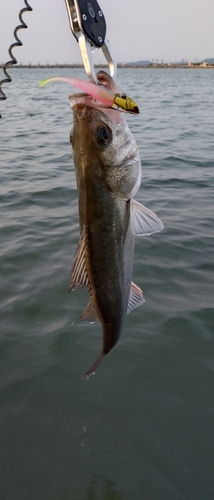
(94, 367)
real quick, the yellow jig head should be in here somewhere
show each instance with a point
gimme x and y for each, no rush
(126, 103)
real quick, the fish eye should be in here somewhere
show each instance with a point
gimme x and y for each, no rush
(103, 135)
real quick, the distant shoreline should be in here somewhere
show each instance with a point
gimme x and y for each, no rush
(120, 66)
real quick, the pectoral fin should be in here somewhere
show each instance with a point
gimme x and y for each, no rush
(135, 297)
(79, 276)
(143, 220)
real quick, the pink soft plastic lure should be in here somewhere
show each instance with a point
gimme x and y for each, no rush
(99, 93)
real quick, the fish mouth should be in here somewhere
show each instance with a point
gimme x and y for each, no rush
(107, 81)
(80, 102)
(84, 99)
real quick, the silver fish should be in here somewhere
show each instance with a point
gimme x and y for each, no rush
(108, 174)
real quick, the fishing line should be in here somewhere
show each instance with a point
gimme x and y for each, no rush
(18, 43)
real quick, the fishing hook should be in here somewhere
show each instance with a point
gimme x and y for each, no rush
(18, 43)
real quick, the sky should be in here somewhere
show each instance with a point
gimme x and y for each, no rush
(168, 30)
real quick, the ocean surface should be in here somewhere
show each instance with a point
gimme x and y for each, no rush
(142, 428)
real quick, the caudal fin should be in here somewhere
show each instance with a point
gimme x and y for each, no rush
(94, 368)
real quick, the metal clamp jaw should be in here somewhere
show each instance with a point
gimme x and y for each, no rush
(88, 25)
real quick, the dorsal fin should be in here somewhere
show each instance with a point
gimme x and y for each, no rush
(79, 276)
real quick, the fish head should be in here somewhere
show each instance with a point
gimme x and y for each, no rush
(104, 147)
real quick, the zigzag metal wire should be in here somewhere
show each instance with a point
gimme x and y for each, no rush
(18, 43)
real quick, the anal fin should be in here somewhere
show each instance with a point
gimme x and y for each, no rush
(135, 297)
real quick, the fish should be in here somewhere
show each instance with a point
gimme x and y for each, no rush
(108, 176)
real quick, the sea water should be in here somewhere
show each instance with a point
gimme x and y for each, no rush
(142, 428)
